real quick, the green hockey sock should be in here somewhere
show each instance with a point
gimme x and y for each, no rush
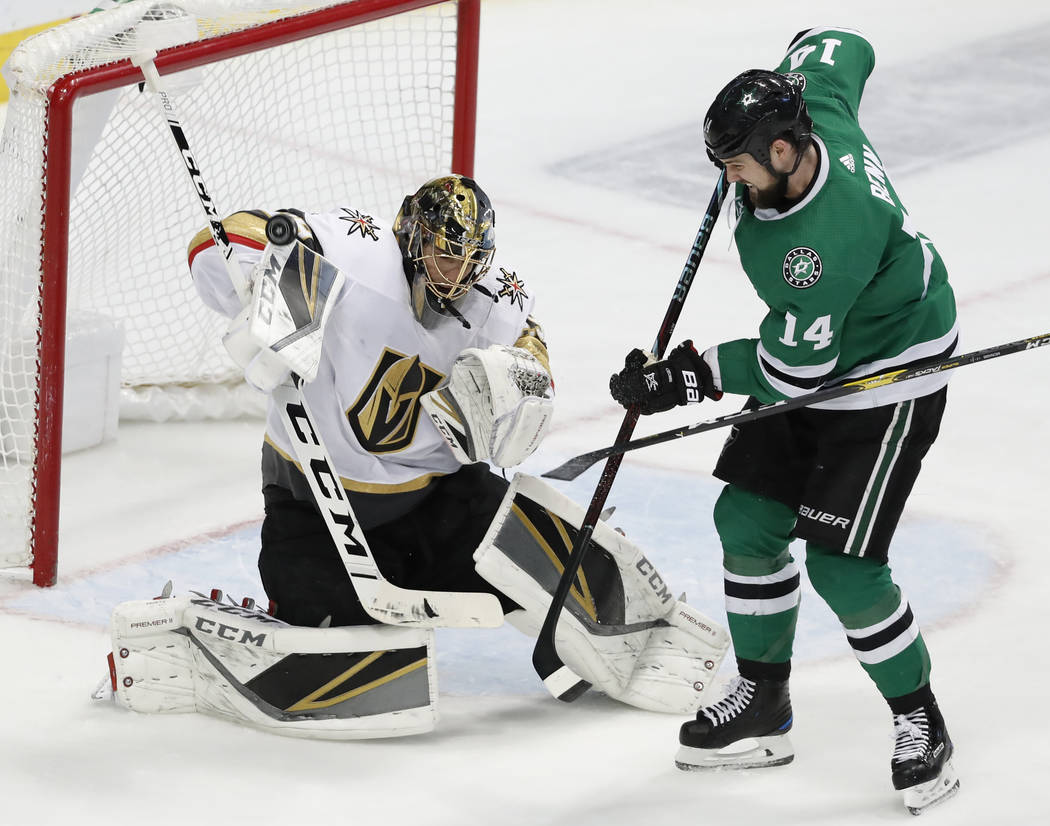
(761, 577)
(876, 617)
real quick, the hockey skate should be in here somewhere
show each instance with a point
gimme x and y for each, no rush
(922, 759)
(745, 730)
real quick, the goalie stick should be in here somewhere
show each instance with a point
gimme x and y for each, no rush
(557, 677)
(384, 601)
(578, 464)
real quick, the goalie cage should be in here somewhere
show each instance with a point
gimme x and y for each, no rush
(301, 104)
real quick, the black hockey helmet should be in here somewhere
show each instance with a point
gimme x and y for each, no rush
(448, 225)
(753, 110)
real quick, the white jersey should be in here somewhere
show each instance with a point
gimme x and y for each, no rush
(377, 361)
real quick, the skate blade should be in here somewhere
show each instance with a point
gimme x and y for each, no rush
(749, 753)
(919, 798)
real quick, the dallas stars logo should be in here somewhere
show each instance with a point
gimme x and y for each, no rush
(359, 222)
(748, 98)
(802, 267)
(513, 288)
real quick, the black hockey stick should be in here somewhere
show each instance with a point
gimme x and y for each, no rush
(144, 61)
(384, 601)
(558, 678)
(578, 464)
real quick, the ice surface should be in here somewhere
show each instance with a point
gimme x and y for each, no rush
(588, 144)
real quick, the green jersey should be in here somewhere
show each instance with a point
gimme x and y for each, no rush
(852, 287)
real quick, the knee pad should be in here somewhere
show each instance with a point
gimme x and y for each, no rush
(850, 585)
(752, 525)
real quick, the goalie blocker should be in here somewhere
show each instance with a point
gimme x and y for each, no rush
(293, 289)
(622, 630)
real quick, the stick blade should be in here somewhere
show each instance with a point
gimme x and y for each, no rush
(576, 689)
(560, 680)
(434, 609)
(574, 467)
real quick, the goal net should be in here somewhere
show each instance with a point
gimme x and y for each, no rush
(286, 104)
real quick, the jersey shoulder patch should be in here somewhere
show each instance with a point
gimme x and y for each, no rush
(364, 248)
(513, 300)
(512, 288)
(358, 223)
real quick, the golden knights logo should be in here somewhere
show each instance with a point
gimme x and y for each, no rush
(385, 415)
(802, 267)
(513, 288)
(359, 222)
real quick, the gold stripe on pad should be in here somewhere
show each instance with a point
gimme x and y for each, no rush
(310, 701)
(585, 599)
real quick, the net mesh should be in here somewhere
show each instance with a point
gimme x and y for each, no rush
(355, 116)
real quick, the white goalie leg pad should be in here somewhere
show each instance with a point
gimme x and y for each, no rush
(621, 629)
(151, 667)
(192, 653)
(497, 405)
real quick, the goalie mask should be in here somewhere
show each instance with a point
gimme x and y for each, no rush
(446, 232)
(753, 110)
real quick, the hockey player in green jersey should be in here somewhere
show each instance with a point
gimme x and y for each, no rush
(852, 289)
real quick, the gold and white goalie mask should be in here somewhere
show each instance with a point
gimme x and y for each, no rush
(447, 235)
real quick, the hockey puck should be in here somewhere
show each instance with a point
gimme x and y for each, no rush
(280, 230)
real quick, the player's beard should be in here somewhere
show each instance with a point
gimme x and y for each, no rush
(771, 197)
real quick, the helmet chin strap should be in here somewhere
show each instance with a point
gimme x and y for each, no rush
(782, 187)
(448, 306)
(485, 291)
(798, 161)
(783, 177)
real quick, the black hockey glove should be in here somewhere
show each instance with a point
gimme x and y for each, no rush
(682, 378)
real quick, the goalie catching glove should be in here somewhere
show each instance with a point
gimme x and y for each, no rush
(684, 377)
(497, 405)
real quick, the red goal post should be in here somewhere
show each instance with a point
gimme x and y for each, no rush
(288, 104)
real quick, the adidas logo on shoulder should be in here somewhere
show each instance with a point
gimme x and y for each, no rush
(847, 161)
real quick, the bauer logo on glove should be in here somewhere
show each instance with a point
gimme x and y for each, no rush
(684, 377)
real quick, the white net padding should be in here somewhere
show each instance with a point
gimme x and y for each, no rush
(358, 116)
